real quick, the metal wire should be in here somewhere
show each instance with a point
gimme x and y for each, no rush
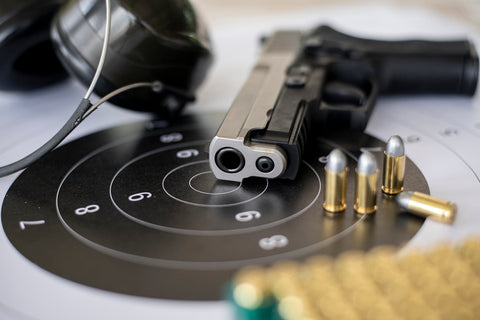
(78, 115)
(106, 40)
(116, 92)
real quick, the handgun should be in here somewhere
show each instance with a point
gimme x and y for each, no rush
(304, 84)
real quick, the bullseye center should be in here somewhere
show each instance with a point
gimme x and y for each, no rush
(206, 183)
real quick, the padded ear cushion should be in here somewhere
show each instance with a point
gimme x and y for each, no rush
(27, 58)
(150, 40)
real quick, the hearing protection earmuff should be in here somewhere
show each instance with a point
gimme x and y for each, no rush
(27, 58)
(155, 40)
(152, 54)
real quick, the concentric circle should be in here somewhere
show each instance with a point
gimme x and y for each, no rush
(138, 205)
(176, 184)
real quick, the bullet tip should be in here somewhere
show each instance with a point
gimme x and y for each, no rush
(403, 198)
(337, 161)
(395, 147)
(367, 164)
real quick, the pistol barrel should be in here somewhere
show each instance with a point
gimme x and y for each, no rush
(233, 155)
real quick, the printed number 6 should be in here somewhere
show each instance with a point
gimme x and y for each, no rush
(187, 153)
(323, 159)
(276, 241)
(139, 196)
(247, 216)
(88, 209)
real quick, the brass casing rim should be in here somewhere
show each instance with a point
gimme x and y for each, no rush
(332, 208)
(364, 210)
(391, 191)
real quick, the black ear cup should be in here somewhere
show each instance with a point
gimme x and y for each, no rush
(150, 40)
(27, 58)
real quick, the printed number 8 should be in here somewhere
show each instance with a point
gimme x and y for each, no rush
(276, 241)
(88, 209)
(171, 137)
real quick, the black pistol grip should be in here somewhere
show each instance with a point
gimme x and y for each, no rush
(428, 67)
(411, 66)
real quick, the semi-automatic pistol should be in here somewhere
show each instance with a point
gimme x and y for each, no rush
(324, 80)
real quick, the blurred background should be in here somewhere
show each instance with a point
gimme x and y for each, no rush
(218, 10)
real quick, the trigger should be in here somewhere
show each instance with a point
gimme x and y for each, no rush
(338, 93)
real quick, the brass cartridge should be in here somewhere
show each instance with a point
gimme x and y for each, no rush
(366, 184)
(335, 181)
(393, 166)
(426, 206)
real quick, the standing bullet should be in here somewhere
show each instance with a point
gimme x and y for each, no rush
(426, 206)
(393, 166)
(335, 181)
(366, 184)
